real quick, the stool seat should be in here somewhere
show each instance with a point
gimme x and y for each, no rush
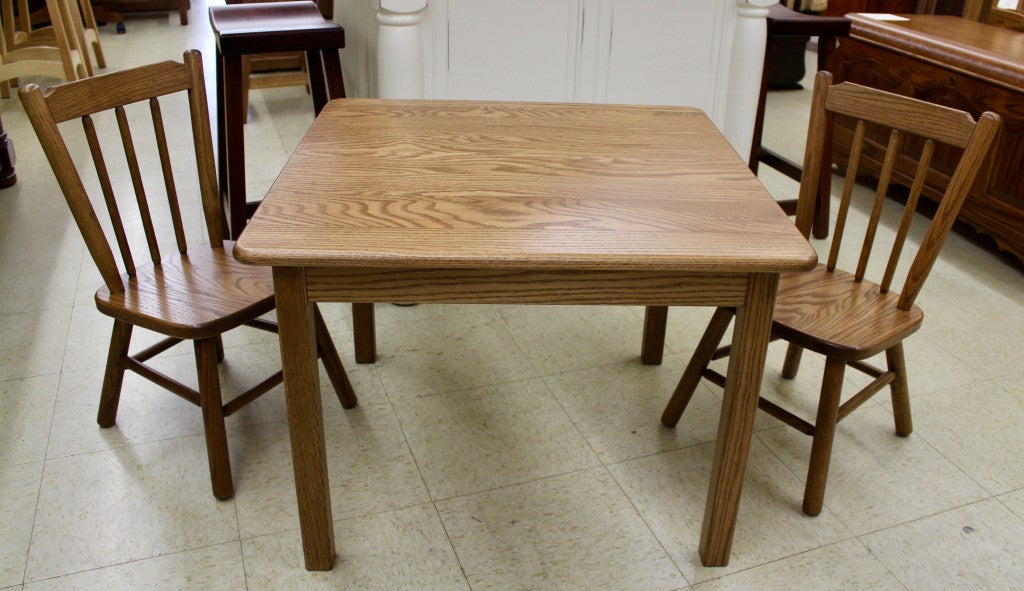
(243, 29)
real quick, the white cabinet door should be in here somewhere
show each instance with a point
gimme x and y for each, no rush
(512, 50)
(664, 52)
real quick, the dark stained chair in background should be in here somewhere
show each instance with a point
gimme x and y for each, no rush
(840, 315)
(195, 293)
(249, 29)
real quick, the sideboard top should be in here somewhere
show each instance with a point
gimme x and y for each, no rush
(978, 49)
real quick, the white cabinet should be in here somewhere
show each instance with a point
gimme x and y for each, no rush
(672, 52)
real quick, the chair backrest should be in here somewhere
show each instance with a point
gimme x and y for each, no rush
(83, 99)
(906, 117)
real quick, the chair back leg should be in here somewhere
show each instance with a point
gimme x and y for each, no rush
(791, 365)
(332, 362)
(700, 360)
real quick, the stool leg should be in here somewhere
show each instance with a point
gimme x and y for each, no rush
(234, 118)
(316, 80)
(335, 79)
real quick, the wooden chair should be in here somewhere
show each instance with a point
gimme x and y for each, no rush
(53, 52)
(196, 293)
(843, 316)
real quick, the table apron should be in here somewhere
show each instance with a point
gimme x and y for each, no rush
(531, 286)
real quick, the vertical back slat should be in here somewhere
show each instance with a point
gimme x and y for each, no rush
(891, 151)
(908, 214)
(844, 203)
(140, 190)
(165, 165)
(108, 194)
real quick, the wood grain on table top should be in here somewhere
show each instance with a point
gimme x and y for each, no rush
(967, 46)
(519, 185)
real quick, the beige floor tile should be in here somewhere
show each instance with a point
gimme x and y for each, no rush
(41, 284)
(491, 437)
(931, 366)
(576, 531)
(25, 422)
(618, 408)
(403, 549)
(448, 354)
(567, 338)
(670, 490)
(126, 504)
(1014, 501)
(32, 343)
(89, 338)
(19, 488)
(979, 430)
(369, 466)
(213, 568)
(876, 478)
(978, 547)
(844, 566)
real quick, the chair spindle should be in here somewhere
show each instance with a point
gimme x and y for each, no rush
(108, 194)
(140, 189)
(844, 202)
(908, 214)
(892, 150)
(165, 164)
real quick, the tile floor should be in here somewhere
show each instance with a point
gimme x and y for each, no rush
(494, 447)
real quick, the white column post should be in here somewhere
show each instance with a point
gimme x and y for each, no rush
(745, 68)
(400, 48)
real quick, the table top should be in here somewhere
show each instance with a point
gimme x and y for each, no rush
(461, 184)
(977, 49)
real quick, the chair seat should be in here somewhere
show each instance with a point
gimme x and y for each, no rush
(832, 314)
(196, 296)
(243, 29)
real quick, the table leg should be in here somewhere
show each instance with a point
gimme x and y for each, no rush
(735, 428)
(305, 416)
(653, 347)
(234, 137)
(364, 333)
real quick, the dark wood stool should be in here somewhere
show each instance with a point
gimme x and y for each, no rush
(783, 22)
(259, 28)
(248, 29)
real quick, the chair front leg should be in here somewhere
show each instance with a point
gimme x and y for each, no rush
(700, 360)
(900, 393)
(824, 434)
(113, 376)
(213, 418)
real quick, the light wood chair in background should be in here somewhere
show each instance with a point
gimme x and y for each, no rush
(844, 316)
(53, 51)
(195, 293)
